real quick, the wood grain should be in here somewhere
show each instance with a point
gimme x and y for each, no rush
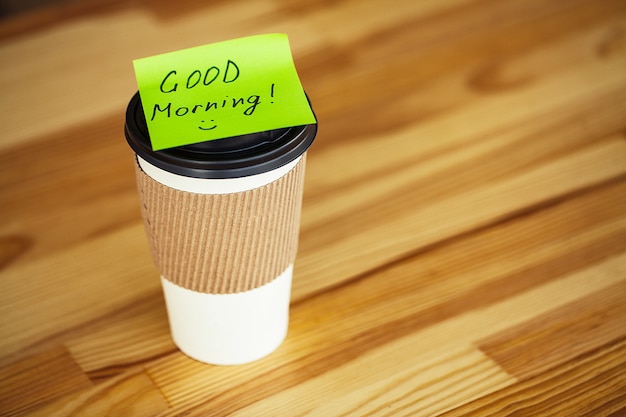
(561, 335)
(34, 380)
(563, 390)
(463, 233)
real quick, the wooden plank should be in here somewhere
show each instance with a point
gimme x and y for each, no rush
(396, 380)
(427, 171)
(561, 335)
(398, 62)
(128, 394)
(132, 335)
(571, 390)
(344, 248)
(40, 205)
(46, 301)
(35, 380)
(549, 109)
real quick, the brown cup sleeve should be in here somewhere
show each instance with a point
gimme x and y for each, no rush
(223, 243)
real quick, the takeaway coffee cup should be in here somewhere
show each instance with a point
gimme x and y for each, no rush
(222, 219)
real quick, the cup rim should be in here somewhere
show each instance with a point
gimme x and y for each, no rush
(233, 157)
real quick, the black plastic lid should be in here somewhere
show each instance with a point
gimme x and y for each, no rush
(237, 156)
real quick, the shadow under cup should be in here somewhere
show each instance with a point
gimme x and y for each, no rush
(222, 219)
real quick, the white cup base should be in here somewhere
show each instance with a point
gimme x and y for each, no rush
(229, 329)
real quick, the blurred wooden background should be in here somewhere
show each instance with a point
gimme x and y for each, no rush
(463, 240)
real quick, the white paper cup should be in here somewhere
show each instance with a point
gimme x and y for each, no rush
(223, 225)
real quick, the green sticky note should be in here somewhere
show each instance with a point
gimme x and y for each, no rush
(221, 90)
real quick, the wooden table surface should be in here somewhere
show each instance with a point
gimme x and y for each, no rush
(463, 239)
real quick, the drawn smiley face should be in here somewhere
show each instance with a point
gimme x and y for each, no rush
(208, 126)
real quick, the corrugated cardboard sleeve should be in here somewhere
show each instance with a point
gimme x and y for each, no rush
(223, 243)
